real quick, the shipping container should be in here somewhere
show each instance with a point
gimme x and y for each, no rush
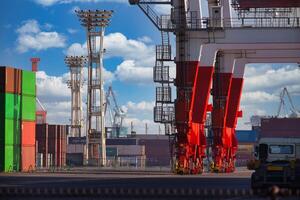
(52, 143)
(28, 158)
(76, 148)
(28, 83)
(75, 159)
(280, 127)
(28, 133)
(42, 142)
(10, 105)
(9, 132)
(10, 80)
(10, 158)
(28, 107)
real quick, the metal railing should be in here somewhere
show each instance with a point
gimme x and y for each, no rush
(169, 24)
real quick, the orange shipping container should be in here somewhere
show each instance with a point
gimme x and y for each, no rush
(10, 80)
(28, 133)
(27, 158)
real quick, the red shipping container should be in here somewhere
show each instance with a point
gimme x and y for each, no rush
(52, 143)
(280, 127)
(59, 145)
(28, 133)
(27, 158)
(42, 142)
(10, 80)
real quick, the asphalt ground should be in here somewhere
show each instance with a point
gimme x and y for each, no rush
(89, 183)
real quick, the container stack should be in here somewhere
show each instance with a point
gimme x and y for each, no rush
(28, 109)
(51, 145)
(10, 90)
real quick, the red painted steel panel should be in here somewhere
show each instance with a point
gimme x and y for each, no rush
(234, 101)
(27, 158)
(201, 91)
(42, 142)
(10, 80)
(28, 133)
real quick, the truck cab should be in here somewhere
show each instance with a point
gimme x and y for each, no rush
(277, 162)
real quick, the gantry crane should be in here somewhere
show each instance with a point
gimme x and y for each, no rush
(211, 53)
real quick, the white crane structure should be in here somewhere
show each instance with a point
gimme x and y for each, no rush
(115, 114)
(76, 64)
(211, 54)
(95, 22)
(294, 113)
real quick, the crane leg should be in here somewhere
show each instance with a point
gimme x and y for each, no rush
(221, 139)
(193, 86)
(232, 116)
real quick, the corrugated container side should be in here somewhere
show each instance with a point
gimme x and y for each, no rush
(59, 147)
(10, 158)
(157, 152)
(10, 80)
(28, 158)
(52, 144)
(28, 133)
(76, 148)
(28, 83)
(64, 147)
(10, 106)
(280, 127)
(42, 142)
(28, 108)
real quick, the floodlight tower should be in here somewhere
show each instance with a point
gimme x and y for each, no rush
(95, 22)
(76, 64)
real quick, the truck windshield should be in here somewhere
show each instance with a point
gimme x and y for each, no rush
(281, 149)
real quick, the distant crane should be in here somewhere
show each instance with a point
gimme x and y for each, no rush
(115, 113)
(282, 106)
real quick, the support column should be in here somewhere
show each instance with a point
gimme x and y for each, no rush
(221, 88)
(233, 110)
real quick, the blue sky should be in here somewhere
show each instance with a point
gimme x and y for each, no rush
(49, 29)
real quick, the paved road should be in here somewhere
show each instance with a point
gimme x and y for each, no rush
(73, 179)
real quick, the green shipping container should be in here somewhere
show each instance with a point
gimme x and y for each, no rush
(9, 132)
(10, 158)
(10, 105)
(28, 83)
(28, 108)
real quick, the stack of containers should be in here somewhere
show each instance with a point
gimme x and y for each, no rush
(10, 89)
(61, 145)
(28, 110)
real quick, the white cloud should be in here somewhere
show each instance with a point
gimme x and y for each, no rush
(77, 49)
(258, 97)
(30, 36)
(52, 2)
(29, 26)
(265, 77)
(118, 45)
(127, 71)
(145, 39)
(140, 106)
